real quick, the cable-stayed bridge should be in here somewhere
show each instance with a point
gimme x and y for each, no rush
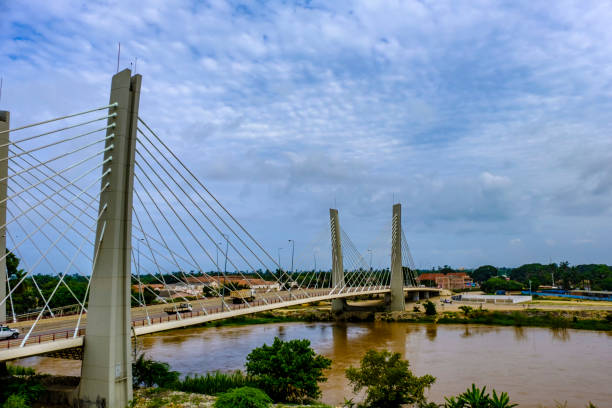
(100, 194)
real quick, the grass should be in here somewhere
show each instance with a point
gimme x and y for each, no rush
(214, 383)
(524, 318)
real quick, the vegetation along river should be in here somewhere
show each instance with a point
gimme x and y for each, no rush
(536, 366)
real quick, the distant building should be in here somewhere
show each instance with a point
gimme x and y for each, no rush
(451, 280)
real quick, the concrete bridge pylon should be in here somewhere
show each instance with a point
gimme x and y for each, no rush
(397, 302)
(106, 373)
(4, 150)
(337, 262)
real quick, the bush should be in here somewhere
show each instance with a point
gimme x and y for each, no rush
(388, 380)
(149, 373)
(21, 387)
(466, 310)
(215, 383)
(244, 397)
(16, 401)
(430, 308)
(288, 371)
(416, 308)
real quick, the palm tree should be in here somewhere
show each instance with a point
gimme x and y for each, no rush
(503, 401)
(475, 397)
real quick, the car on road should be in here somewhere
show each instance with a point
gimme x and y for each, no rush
(8, 333)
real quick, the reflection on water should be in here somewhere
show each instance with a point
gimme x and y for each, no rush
(535, 366)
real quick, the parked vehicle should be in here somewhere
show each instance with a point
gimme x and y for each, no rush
(242, 295)
(182, 308)
(8, 333)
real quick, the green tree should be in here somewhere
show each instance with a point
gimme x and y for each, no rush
(483, 273)
(149, 373)
(288, 370)
(388, 380)
(494, 284)
(430, 308)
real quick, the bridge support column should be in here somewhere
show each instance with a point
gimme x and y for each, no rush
(425, 295)
(398, 303)
(4, 140)
(106, 373)
(337, 263)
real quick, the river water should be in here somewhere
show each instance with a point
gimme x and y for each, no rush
(536, 366)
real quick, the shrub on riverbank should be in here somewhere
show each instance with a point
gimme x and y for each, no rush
(244, 397)
(19, 387)
(388, 380)
(149, 373)
(288, 370)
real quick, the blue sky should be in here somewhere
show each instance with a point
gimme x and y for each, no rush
(489, 121)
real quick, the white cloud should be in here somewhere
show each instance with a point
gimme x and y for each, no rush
(487, 120)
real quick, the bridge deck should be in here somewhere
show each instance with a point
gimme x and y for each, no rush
(54, 335)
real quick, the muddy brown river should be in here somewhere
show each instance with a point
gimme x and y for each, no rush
(536, 366)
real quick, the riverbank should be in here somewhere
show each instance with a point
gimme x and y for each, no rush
(159, 397)
(586, 319)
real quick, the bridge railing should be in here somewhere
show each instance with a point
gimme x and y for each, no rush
(41, 338)
(69, 333)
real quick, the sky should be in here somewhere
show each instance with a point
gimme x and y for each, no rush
(489, 121)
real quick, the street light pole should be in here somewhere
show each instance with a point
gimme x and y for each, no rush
(370, 251)
(224, 272)
(142, 299)
(292, 251)
(529, 287)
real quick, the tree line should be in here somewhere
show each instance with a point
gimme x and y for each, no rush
(563, 275)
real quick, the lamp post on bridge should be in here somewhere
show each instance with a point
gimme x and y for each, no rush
(370, 251)
(224, 272)
(142, 299)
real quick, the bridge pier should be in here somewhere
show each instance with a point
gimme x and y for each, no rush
(4, 149)
(397, 303)
(106, 373)
(337, 305)
(425, 294)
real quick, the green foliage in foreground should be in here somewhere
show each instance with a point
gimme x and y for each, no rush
(244, 397)
(475, 397)
(215, 383)
(388, 380)
(149, 373)
(16, 401)
(20, 387)
(288, 370)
